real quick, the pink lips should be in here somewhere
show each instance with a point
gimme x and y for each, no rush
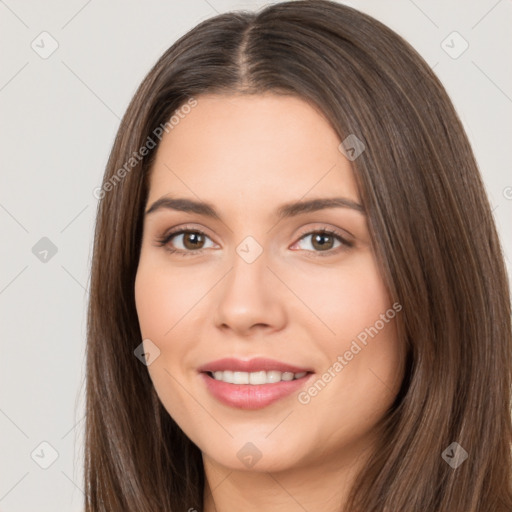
(248, 396)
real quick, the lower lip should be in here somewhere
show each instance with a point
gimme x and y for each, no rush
(248, 396)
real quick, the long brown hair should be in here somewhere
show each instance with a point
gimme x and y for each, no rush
(434, 238)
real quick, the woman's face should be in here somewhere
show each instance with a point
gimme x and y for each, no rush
(253, 277)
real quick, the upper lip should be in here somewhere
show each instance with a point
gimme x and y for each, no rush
(253, 365)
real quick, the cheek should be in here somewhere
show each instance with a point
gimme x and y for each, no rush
(171, 305)
(362, 354)
(154, 300)
(369, 336)
(164, 295)
(163, 301)
(346, 299)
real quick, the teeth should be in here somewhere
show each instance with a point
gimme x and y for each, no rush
(240, 378)
(255, 378)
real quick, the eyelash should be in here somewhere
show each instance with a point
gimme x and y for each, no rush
(164, 241)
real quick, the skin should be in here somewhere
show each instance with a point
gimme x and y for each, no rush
(298, 302)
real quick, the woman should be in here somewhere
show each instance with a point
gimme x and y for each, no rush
(298, 296)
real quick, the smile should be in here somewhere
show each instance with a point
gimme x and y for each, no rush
(253, 384)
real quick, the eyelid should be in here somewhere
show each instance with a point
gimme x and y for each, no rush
(186, 227)
(163, 240)
(319, 227)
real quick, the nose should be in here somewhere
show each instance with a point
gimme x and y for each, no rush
(250, 299)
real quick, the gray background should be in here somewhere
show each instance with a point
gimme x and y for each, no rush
(59, 118)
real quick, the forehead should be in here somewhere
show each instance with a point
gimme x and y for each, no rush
(254, 149)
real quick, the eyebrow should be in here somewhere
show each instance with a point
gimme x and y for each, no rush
(284, 211)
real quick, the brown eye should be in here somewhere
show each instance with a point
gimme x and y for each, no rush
(186, 242)
(193, 240)
(322, 241)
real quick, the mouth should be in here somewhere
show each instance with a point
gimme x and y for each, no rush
(253, 384)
